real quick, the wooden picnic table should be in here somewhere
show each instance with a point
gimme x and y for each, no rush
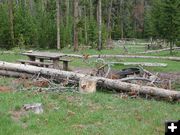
(55, 57)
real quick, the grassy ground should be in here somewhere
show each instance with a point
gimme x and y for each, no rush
(75, 114)
(97, 114)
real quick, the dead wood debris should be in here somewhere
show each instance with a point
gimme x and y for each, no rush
(40, 84)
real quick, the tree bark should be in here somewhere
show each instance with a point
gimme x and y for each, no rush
(75, 24)
(58, 24)
(101, 82)
(99, 25)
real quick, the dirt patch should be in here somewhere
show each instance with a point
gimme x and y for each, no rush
(28, 83)
(5, 89)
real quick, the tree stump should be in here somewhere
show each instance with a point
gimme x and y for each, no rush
(87, 85)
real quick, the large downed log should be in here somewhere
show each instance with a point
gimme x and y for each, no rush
(147, 64)
(136, 56)
(160, 50)
(14, 74)
(101, 82)
(125, 56)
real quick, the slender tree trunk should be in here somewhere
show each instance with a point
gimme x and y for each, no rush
(135, 21)
(91, 9)
(109, 24)
(11, 18)
(122, 18)
(75, 25)
(85, 26)
(99, 26)
(68, 27)
(31, 5)
(67, 13)
(171, 48)
(58, 24)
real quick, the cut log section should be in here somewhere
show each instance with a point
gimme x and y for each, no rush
(87, 85)
(101, 82)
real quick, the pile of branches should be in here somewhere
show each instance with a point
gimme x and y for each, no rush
(38, 83)
(136, 75)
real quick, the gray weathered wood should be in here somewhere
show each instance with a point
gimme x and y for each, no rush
(47, 55)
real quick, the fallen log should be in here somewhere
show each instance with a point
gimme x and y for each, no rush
(136, 56)
(135, 78)
(147, 64)
(126, 56)
(101, 82)
(160, 50)
(14, 74)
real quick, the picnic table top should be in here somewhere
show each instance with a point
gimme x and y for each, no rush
(44, 54)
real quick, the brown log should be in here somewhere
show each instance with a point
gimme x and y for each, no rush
(101, 82)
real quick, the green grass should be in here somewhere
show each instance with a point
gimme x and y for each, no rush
(99, 113)
(173, 66)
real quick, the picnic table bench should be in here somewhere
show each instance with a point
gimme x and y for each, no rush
(41, 58)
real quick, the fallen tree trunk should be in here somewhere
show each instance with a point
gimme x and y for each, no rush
(125, 56)
(14, 74)
(136, 56)
(160, 50)
(101, 82)
(147, 64)
(135, 78)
